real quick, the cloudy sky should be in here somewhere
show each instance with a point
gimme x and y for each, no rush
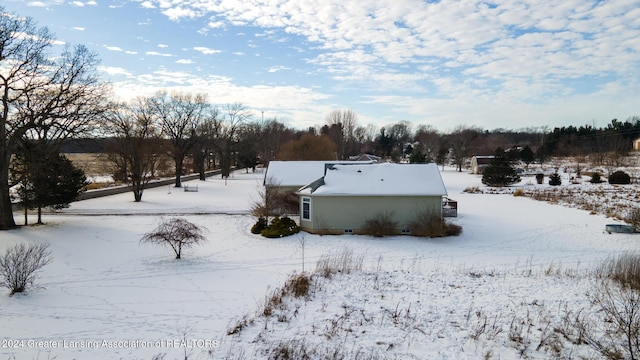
(488, 63)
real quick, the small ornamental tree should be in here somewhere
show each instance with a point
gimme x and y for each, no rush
(499, 172)
(20, 263)
(176, 233)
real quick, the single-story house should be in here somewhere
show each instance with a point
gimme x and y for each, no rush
(348, 195)
(636, 144)
(289, 176)
(478, 163)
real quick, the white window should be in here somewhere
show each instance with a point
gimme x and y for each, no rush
(306, 208)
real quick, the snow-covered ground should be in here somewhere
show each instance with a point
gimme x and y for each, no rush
(105, 296)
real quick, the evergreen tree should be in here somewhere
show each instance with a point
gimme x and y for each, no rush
(555, 179)
(441, 157)
(526, 155)
(500, 172)
(384, 143)
(595, 178)
(47, 178)
(418, 157)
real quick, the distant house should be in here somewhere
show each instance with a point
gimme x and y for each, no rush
(365, 157)
(478, 163)
(636, 144)
(348, 195)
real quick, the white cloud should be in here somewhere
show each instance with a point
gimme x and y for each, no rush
(163, 46)
(113, 48)
(524, 40)
(448, 57)
(155, 53)
(114, 71)
(77, 28)
(206, 50)
(147, 5)
(184, 61)
(179, 13)
(216, 24)
(275, 69)
(119, 49)
(284, 102)
(37, 4)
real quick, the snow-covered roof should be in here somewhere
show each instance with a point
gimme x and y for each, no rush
(365, 157)
(379, 180)
(298, 173)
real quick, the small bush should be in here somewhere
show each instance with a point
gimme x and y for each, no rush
(20, 263)
(539, 178)
(260, 225)
(633, 218)
(380, 225)
(95, 186)
(615, 334)
(472, 190)
(595, 178)
(555, 180)
(345, 263)
(619, 177)
(519, 192)
(239, 325)
(298, 285)
(281, 227)
(624, 269)
(427, 225)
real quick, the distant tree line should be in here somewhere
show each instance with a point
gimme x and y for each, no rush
(256, 142)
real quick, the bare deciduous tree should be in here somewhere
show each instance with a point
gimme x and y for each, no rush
(204, 146)
(233, 118)
(460, 140)
(341, 129)
(270, 202)
(308, 147)
(180, 115)
(273, 135)
(20, 263)
(176, 233)
(135, 143)
(41, 97)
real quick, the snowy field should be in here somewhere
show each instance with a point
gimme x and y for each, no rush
(105, 296)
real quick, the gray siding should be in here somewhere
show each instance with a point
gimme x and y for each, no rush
(335, 214)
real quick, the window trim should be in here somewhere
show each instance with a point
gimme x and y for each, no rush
(306, 202)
